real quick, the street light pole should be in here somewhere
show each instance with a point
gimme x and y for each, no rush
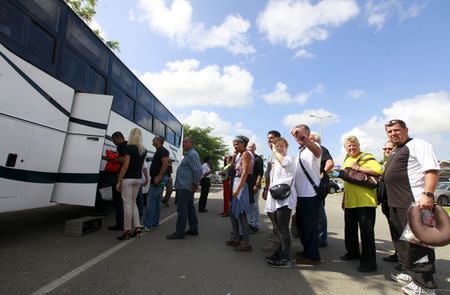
(320, 120)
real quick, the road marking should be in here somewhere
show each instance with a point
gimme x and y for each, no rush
(70, 275)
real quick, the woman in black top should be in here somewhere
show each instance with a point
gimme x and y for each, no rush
(129, 181)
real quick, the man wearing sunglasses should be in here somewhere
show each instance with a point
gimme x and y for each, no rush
(387, 149)
(411, 175)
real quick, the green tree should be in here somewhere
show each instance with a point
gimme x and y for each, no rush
(86, 10)
(207, 144)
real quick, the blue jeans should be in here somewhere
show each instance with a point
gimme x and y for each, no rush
(153, 212)
(323, 233)
(186, 212)
(253, 215)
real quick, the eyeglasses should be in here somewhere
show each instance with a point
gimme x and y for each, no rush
(388, 149)
(395, 121)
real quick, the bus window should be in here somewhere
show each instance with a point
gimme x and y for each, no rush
(123, 76)
(79, 75)
(170, 136)
(146, 98)
(172, 122)
(87, 44)
(122, 103)
(46, 11)
(159, 128)
(143, 118)
(13, 23)
(160, 111)
(42, 44)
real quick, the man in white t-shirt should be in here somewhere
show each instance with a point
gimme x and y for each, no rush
(308, 203)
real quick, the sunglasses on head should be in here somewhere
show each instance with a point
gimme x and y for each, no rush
(395, 121)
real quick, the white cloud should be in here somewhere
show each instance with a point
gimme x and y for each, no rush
(183, 83)
(221, 128)
(297, 24)
(311, 118)
(303, 53)
(425, 115)
(280, 95)
(379, 11)
(175, 22)
(356, 93)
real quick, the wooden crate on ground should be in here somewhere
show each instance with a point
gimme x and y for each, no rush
(83, 225)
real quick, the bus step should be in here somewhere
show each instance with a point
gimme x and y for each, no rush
(83, 225)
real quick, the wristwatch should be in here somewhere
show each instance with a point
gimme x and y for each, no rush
(428, 194)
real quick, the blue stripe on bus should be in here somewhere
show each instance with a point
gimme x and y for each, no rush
(88, 123)
(47, 177)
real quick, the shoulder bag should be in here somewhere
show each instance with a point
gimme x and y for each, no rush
(321, 191)
(360, 178)
(280, 191)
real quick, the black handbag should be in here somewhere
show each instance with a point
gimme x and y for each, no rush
(280, 191)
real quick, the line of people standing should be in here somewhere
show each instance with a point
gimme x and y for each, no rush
(410, 175)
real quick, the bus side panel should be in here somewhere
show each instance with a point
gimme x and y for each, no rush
(30, 94)
(29, 160)
(34, 119)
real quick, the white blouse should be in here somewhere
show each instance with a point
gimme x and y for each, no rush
(282, 173)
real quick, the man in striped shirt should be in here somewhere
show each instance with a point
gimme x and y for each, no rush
(187, 179)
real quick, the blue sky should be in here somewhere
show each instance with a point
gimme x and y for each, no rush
(246, 67)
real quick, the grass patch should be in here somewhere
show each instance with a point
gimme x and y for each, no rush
(447, 209)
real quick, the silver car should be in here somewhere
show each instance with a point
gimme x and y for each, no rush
(442, 194)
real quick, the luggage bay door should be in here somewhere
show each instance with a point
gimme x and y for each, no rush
(80, 161)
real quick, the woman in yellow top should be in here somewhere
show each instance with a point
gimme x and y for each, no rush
(359, 204)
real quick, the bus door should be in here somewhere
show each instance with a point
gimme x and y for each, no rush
(80, 161)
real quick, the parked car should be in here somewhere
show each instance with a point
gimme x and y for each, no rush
(216, 179)
(334, 187)
(442, 194)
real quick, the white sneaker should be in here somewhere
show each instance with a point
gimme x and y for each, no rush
(413, 289)
(401, 278)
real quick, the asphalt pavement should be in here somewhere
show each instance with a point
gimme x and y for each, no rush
(36, 258)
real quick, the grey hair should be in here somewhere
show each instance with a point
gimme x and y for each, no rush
(315, 136)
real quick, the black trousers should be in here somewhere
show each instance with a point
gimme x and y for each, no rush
(385, 210)
(282, 218)
(104, 179)
(205, 183)
(418, 261)
(364, 217)
(109, 179)
(308, 225)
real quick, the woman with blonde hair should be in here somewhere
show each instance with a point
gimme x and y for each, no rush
(282, 172)
(129, 181)
(359, 204)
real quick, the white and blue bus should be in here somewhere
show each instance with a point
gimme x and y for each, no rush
(63, 94)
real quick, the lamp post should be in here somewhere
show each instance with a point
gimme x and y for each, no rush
(320, 120)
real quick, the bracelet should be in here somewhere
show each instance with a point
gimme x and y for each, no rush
(266, 189)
